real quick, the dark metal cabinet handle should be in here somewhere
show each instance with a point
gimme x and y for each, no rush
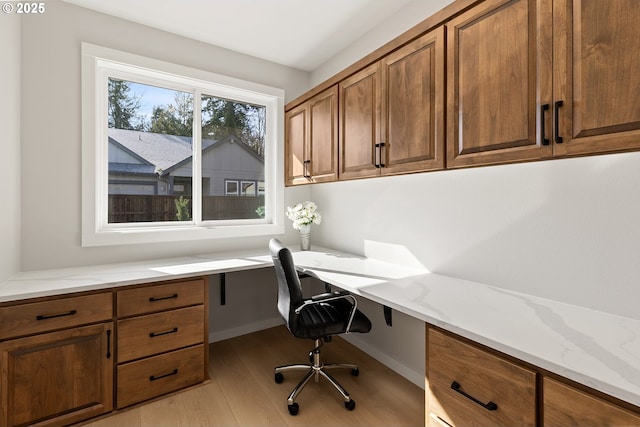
(556, 107)
(306, 173)
(543, 108)
(378, 155)
(53, 316)
(157, 334)
(154, 299)
(153, 377)
(490, 406)
(109, 344)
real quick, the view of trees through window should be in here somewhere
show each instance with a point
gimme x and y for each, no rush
(151, 155)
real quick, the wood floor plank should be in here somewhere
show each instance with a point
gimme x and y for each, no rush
(242, 390)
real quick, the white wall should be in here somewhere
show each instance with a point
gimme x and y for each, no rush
(410, 15)
(10, 142)
(51, 128)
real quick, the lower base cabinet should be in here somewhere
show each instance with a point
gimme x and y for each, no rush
(564, 405)
(162, 339)
(66, 359)
(466, 385)
(57, 378)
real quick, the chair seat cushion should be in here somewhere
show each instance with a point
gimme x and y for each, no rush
(329, 318)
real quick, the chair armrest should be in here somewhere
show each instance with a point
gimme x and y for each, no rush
(320, 298)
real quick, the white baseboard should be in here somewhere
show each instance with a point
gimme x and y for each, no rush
(215, 336)
(415, 377)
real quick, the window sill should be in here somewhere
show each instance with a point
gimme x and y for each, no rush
(176, 234)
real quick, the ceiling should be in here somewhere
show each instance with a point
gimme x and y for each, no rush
(297, 33)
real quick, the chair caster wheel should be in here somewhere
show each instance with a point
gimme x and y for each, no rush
(294, 408)
(355, 372)
(279, 378)
(350, 405)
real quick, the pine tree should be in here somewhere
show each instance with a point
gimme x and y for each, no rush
(123, 107)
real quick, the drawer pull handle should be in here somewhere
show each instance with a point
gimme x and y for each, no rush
(153, 377)
(53, 316)
(490, 406)
(154, 299)
(157, 334)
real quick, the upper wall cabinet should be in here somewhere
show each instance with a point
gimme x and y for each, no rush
(499, 75)
(311, 148)
(533, 79)
(391, 113)
(596, 76)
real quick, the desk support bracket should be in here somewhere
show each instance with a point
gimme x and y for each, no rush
(387, 315)
(223, 289)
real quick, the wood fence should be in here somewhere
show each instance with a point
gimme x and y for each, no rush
(158, 208)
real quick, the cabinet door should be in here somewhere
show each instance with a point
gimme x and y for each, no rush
(360, 124)
(498, 82)
(323, 136)
(564, 405)
(296, 143)
(413, 106)
(596, 75)
(57, 378)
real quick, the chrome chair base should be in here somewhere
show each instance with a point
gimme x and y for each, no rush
(316, 370)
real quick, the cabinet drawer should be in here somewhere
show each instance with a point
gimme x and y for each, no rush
(156, 333)
(567, 406)
(160, 297)
(27, 319)
(155, 376)
(458, 373)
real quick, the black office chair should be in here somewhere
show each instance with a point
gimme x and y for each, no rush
(316, 318)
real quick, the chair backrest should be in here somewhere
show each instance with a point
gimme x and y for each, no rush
(289, 288)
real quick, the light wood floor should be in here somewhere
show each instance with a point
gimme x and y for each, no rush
(242, 391)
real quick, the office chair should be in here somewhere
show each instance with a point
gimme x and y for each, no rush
(316, 318)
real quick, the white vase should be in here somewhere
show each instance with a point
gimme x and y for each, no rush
(305, 237)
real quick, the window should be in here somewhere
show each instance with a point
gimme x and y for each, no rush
(168, 149)
(231, 188)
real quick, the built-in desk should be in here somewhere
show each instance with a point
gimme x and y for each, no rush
(599, 350)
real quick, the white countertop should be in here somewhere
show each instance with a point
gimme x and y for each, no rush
(596, 349)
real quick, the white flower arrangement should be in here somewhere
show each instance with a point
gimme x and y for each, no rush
(304, 214)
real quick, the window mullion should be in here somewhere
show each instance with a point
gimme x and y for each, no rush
(196, 184)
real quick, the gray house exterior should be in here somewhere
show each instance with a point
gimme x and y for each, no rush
(144, 163)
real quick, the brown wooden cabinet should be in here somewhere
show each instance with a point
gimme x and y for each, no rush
(60, 377)
(162, 339)
(468, 386)
(499, 77)
(391, 113)
(564, 405)
(596, 76)
(311, 148)
(533, 79)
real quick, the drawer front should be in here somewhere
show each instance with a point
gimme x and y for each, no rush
(567, 406)
(467, 386)
(156, 333)
(27, 319)
(158, 375)
(149, 299)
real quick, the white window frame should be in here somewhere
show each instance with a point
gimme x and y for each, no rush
(98, 65)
